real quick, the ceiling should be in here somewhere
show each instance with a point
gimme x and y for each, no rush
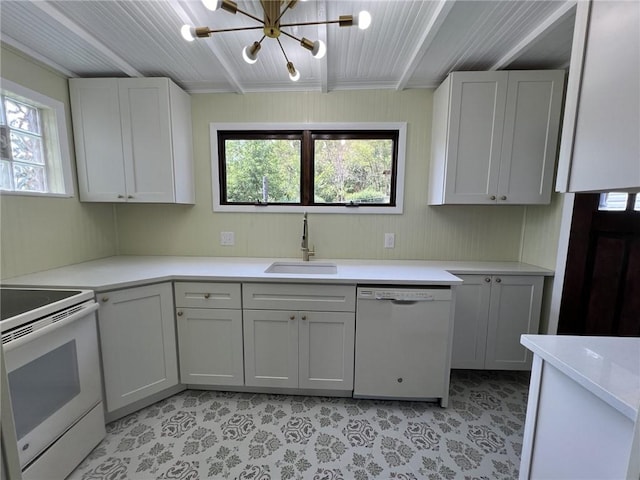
(410, 44)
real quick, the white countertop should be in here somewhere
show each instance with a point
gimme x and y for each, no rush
(609, 367)
(127, 271)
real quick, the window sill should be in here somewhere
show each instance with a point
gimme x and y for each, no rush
(35, 194)
(397, 210)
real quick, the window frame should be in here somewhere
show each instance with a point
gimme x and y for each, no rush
(55, 140)
(362, 129)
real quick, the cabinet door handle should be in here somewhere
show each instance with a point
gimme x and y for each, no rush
(304, 317)
(292, 317)
(180, 313)
(207, 295)
(129, 196)
(487, 279)
(400, 380)
(503, 197)
(120, 196)
(492, 197)
(105, 299)
(498, 280)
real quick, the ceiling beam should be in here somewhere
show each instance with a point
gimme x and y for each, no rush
(12, 42)
(185, 18)
(321, 13)
(87, 37)
(437, 19)
(548, 24)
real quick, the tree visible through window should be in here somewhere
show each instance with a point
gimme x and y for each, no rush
(322, 168)
(22, 163)
(34, 148)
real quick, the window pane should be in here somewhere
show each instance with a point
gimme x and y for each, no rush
(262, 170)
(22, 116)
(353, 171)
(636, 205)
(613, 201)
(5, 175)
(26, 148)
(28, 178)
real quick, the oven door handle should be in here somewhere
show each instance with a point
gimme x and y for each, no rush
(83, 312)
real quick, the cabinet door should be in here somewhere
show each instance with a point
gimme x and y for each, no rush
(476, 120)
(98, 139)
(470, 323)
(138, 343)
(210, 346)
(270, 348)
(600, 142)
(514, 309)
(326, 349)
(146, 136)
(530, 138)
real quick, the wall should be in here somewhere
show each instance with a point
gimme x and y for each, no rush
(422, 232)
(38, 233)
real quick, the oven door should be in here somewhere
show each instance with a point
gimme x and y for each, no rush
(54, 379)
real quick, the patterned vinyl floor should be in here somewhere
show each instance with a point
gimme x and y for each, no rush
(205, 434)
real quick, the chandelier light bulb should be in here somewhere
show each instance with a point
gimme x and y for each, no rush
(212, 4)
(188, 33)
(250, 53)
(363, 20)
(319, 49)
(294, 75)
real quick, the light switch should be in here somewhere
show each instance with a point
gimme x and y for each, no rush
(227, 238)
(389, 240)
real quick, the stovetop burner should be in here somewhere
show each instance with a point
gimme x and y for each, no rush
(14, 302)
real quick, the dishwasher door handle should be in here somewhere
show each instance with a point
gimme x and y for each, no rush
(399, 301)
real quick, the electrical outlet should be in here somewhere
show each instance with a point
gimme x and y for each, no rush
(389, 240)
(227, 238)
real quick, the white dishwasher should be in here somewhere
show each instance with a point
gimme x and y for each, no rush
(403, 343)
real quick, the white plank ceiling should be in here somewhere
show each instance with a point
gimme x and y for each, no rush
(410, 44)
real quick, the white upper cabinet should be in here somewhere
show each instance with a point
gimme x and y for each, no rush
(600, 148)
(494, 137)
(133, 140)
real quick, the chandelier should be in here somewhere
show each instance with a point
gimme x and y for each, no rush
(272, 28)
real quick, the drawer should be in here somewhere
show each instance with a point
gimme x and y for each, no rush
(294, 296)
(208, 295)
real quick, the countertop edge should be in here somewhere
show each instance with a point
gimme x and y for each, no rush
(628, 410)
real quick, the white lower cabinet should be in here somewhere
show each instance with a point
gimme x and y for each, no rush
(306, 349)
(209, 321)
(491, 312)
(138, 343)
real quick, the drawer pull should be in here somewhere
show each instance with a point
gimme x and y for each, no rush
(105, 299)
(498, 280)
(207, 295)
(292, 317)
(180, 313)
(304, 317)
(400, 380)
(492, 197)
(487, 279)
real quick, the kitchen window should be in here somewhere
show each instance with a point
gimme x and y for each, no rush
(34, 151)
(330, 168)
(619, 202)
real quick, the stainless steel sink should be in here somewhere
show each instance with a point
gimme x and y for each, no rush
(309, 268)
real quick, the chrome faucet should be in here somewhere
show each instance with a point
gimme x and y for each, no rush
(304, 246)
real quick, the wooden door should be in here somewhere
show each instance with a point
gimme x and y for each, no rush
(601, 292)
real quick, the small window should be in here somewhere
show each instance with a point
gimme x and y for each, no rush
(619, 202)
(323, 168)
(34, 158)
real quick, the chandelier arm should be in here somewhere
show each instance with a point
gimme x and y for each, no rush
(326, 22)
(291, 36)
(251, 16)
(283, 52)
(234, 29)
(283, 12)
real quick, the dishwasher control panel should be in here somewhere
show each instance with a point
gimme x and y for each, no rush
(404, 294)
